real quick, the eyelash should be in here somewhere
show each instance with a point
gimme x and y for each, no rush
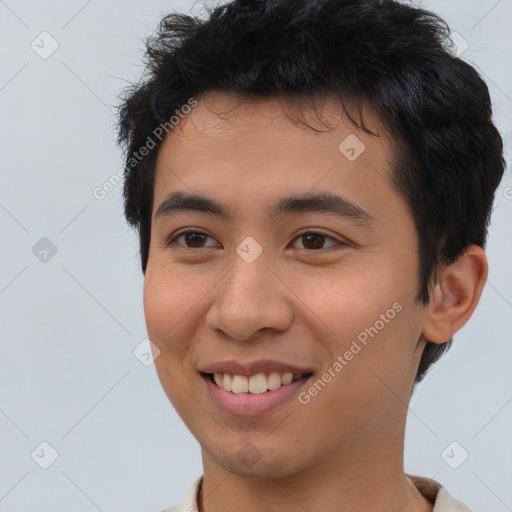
(340, 244)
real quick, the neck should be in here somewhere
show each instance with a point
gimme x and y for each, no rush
(348, 480)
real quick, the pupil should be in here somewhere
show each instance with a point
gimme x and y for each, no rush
(190, 237)
(315, 237)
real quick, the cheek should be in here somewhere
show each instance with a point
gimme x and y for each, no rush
(352, 298)
(363, 382)
(372, 326)
(167, 302)
(156, 303)
(378, 360)
(168, 308)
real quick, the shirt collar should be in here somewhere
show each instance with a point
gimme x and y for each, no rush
(430, 489)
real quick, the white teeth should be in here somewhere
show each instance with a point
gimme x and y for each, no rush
(255, 384)
(274, 381)
(258, 383)
(240, 384)
(228, 381)
(287, 378)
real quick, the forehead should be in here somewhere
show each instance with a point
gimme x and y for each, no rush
(237, 147)
(221, 113)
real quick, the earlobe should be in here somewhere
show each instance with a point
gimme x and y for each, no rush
(456, 295)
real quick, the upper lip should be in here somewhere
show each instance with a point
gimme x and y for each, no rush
(232, 367)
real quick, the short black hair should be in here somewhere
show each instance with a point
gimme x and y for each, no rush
(395, 57)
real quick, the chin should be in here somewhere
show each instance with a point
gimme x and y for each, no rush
(251, 459)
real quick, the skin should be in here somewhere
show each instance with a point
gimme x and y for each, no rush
(204, 303)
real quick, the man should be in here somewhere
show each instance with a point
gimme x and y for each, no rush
(312, 183)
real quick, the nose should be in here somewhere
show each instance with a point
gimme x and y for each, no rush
(251, 297)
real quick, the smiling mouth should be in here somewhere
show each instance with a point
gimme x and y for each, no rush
(255, 384)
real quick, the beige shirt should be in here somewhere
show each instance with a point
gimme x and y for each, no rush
(432, 490)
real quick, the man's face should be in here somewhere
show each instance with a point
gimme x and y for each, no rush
(329, 293)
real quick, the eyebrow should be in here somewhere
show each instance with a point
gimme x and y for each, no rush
(324, 202)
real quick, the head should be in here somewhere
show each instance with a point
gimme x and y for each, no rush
(264, 100)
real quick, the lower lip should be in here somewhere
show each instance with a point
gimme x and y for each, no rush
(247, 404)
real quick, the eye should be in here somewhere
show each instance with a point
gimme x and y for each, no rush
(190, 237)
(314, 240)
(311, 240)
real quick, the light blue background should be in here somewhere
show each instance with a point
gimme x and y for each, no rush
(68, 327)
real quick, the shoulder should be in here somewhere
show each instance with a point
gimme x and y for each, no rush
(446, 503)
(189, 501)
(437, 495)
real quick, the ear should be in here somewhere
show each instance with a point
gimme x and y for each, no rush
(456, 295)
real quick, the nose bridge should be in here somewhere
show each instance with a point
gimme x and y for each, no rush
(250, 297)
(249, 272)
